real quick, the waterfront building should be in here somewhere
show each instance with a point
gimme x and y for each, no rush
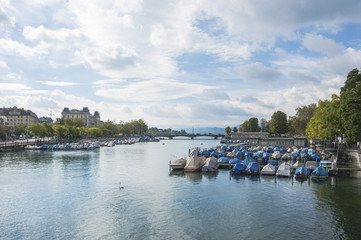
(264, 139)
(47, 120)
(14, 116)
(84, 114)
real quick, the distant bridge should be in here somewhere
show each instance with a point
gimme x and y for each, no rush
(189, 135)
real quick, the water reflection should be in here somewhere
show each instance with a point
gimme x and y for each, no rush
(194, 176)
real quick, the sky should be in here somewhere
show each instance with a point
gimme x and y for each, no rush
(176, 63)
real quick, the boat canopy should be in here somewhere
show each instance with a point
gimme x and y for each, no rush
(223, 160)
(194, 163)
(273, 162)
(211, 165)
(248, 159)
(238, 168)
(284, 170)
(234, 161)
(320, 171)
(301, 171)
(253, 167)
(269, 169)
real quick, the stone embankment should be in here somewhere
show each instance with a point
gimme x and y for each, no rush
(347, 159)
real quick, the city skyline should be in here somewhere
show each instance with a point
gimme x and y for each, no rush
(176, 64)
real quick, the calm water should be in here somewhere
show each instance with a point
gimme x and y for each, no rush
(76, 195)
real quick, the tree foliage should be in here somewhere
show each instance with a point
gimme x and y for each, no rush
(350, 106)
(278, 123)
(235, 129)
(4, 132)
(325, 122)
(298, 123)
(253, 125)
(228, 130)
(243, 127)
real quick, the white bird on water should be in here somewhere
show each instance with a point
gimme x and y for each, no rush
(121, 185)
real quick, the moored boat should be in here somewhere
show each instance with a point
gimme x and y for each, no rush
(269, 169)
(284, 170)
(320, 173)
(178, 164)
(301, 173)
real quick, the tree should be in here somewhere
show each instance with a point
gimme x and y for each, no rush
(19, 129)
(4, 131)
(350, 110)
(228, 130)
(298, 123)
(235, 129)
(49, 130)
(326, 121)
(253, 125)
(243, 127)
(264, 125)
(37, 129)
(278, 123)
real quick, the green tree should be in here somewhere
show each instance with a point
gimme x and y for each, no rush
(278, 123)
(253, 125)
(350, 107)
(264, 125)
(37, 129)
(235, 129)
(60, 130)
(108, 128)
(4, 131)
(298, 123)
(49, 130)
(326, 120)
(244, 127)
(19, 129)
(228, 130)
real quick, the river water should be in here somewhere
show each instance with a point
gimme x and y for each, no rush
(76, 195)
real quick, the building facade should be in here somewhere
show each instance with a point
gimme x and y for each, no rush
(84, 114)
(264, 139)
(14, 116)
(47, 120)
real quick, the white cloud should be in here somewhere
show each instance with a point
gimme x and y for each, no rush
(259, 72)
(16, 87)
(57, 83)
(3, 65)
(318, 43)
(152, 90)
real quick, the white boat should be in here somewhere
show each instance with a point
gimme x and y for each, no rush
(111, 144)
(178, 164)
(284, 170)
(269, 169)
(311, 165)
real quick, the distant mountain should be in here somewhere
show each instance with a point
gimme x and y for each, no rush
(205, 130)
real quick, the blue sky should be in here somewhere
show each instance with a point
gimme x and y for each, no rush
(176, 63)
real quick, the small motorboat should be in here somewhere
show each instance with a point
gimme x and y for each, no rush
(284, 170)
(320, 173)
(301, 173)
(178, 164)
(269, 169)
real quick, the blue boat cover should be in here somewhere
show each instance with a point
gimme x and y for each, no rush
(239, 154)
(205, 153)
(224, 148)
(319, 171)
(315, 157)
(265, 155)
(229, 148)
(223, 154)
(269, 149)
(257, 154)
(223, 160)
(253, 167)
(294, 154)
(238, 168)
(276, 149)
(250, 154)
(248, 159)
(234, 161)
(282, 149)
(301, 171)
(214, 154)
(273, 162)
